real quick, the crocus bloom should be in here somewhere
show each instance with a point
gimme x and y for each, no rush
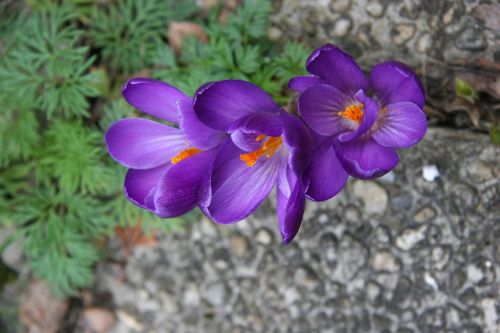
(267, 146)
(166, 164)
(365, 131)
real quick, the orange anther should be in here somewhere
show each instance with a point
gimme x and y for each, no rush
(268, 149)
(185, 154)
(353, 112)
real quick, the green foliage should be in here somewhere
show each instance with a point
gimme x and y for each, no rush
(73, 154)
(21, 127)
(464, 89)
(59, 228)
(47, 66)
(62, 65)
(129, 32)
(495, 134)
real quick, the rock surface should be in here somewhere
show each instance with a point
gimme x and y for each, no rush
(446, 30)
(417, 257)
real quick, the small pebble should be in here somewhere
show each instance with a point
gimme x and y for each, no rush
(430, 173)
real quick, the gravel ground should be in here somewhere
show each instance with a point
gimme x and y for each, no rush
(400, 254)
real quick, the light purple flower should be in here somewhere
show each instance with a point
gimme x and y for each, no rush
(166, 164)
(267, 147)
(364, 131)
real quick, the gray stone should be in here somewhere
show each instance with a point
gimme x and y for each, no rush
(374, 196)
(191, 296)
(341, 27)
(424, 43)
(440, 257)
(264, 237)
(385, 261)
(340, 6)
(471, 39)
(425, 214)
(402, 201)
(375, 9)
(403, 33)
(410, 237)
(238, 245)
(351, 257)
(215, 294)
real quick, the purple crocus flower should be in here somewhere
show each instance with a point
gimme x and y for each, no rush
(364, 131)
(166, 164)
(267, 147)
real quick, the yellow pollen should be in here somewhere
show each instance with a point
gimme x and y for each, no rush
(268, 149)
(353, 112)
(185, 154)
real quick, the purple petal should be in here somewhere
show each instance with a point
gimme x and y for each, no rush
(154, 97)
(177, 191)
(236, 190)
(401, 126)
(290, 204)
(298, 141)
(319, 107)
(197, 133)
(245, 130)
(325, 175)
(365, 159)
(219, 104)
(246, 141)
(301, 83)
(338, 68)
(140, 183)
(370, 113)
(395, 82)
(143, 144)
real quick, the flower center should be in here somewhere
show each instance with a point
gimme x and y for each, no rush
(353, 112)
(185, 154)
(268, 149)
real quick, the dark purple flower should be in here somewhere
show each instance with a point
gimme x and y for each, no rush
(166, 164)
(365, 131)
(267, 147)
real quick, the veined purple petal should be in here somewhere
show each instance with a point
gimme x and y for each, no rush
(154, 97)
(246, 141)
(319, 107)
(143, 144)
(219, 104)
(338, 68)
(244, 131)
(301, 83)
(365, 159)
(140, 183)
(401, 126)
(177, 191)
(370, 113)
(395, 82)
(326, 175)
(236, 190)
(197, 133)
(290, 204)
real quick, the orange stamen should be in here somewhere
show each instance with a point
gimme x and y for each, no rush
(260, 137)
(268, 149)
(353, 112)
(185, 154)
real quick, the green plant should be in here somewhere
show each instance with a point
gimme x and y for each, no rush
(61, 67)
